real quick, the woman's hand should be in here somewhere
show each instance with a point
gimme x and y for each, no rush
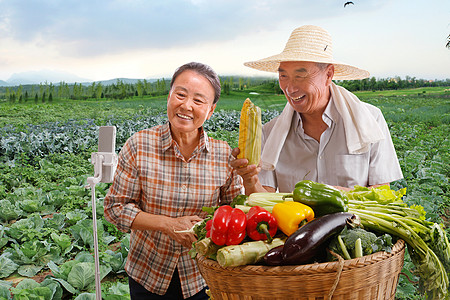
(181, 224)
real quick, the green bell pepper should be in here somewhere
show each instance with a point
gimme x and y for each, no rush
(322, 198)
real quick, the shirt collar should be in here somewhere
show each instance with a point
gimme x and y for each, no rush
(167, 140)
(166, 137)
(329, 116)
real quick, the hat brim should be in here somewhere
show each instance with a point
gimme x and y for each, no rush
(341, 71)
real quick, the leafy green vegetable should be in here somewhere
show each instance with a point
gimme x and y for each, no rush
(5, 293)
(114, 259)
(7, 266)
(118, 291)
(83, 233)
(30, 289)
(9, 211)
(75, 216)
(239, 200)
(28, 229)
(57, 222)
(36, 253)
(55, 287)
(369, 242)
(77, 275)
(29, 270)
(199, 229)
(85, 296)
(383, 210)
(63, 240)
(82, 275)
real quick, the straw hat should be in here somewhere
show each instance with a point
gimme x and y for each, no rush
(309, 43)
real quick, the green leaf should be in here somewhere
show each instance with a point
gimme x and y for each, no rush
(30, 206)
(54, 286)
(84, 256)
(29, 270)
(28, 284)
(5, 292)
(9, 211)
(7, 266)
(116, 261)
(120, 288)
(82, 275)
(3, 242)
(63, 240)
(66, 285)
(85, 296)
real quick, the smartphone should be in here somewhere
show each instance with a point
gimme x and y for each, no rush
(107, 147)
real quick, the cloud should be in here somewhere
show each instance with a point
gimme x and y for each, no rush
(98, 27)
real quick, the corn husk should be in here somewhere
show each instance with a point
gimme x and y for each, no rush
(250, 131)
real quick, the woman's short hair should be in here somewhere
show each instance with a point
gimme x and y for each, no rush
(204, 70)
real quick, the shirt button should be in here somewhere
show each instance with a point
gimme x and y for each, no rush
(320, 157)
(183, 187)
(185, 165)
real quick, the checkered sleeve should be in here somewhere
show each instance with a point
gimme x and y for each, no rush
(120, 204)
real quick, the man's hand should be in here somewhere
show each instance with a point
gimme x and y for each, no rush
(249, 173)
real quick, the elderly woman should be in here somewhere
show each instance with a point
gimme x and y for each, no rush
(165, 175)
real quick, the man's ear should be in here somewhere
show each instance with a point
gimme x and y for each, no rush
(330, 73)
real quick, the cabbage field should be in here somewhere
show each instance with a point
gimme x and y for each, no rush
(46, 240)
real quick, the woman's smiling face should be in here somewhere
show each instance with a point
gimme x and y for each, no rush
(190, 102)
(305, 85)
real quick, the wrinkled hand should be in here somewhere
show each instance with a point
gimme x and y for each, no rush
(246, 171)
(183, 223)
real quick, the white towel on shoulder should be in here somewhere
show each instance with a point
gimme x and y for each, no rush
(276, 138)
(361, 128)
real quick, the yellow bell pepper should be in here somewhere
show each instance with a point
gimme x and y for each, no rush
(290, 215)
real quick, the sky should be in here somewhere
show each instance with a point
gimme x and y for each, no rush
(106, 39)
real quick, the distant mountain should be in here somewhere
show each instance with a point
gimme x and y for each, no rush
(55, 77)
(42, 76)
(114, 81)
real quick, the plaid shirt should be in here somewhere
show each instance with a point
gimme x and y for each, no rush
(153, 176)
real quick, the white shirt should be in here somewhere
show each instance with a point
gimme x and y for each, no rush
(329, 161)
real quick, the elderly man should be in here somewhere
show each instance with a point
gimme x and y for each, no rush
(324, 133)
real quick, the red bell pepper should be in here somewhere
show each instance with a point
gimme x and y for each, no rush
(261, 224)
(228, 226)
(208, 228)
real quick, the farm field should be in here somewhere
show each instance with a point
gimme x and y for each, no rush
(46, 239)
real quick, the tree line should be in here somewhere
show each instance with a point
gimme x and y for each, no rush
(394, 83)
(46, 92)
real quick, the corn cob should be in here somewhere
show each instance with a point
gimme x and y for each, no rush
(250, 129)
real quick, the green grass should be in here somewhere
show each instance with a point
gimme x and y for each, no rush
(391, 102)
(406, 92)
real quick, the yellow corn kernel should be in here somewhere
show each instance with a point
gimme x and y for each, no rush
(250, 130)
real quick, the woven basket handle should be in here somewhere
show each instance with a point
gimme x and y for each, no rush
(338, 274)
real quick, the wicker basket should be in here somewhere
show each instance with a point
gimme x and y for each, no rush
(370, 277)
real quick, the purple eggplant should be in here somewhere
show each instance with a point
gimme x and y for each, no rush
(274, 257)
(303, 245)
